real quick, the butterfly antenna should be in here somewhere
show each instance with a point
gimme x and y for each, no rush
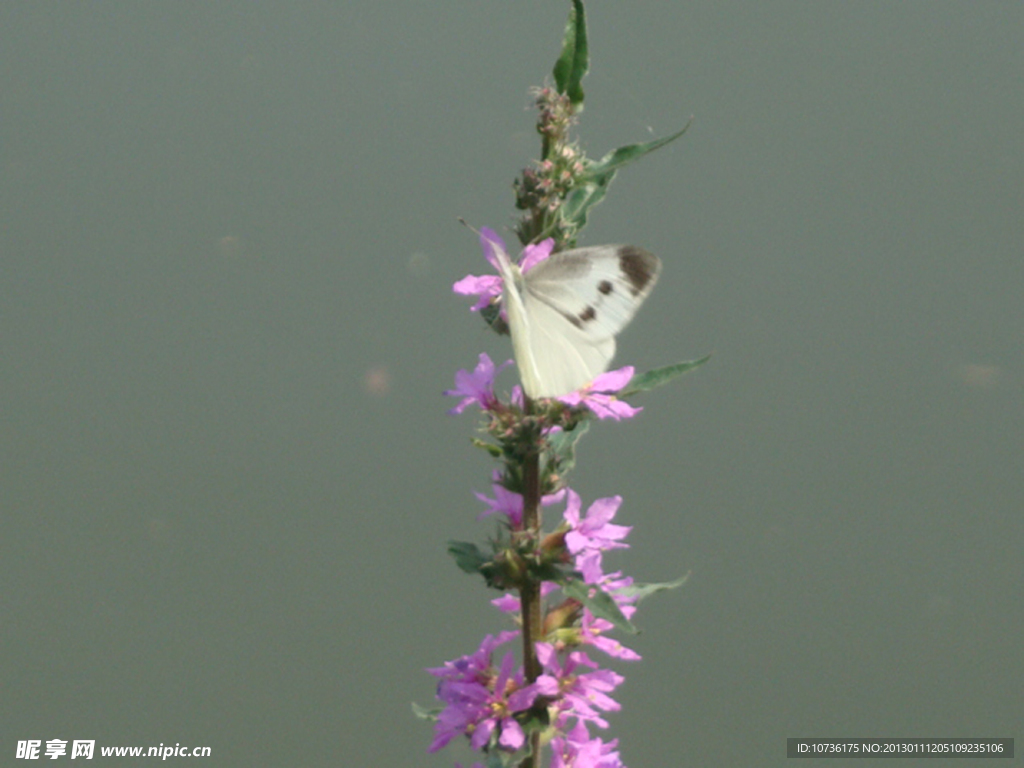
(468, 226)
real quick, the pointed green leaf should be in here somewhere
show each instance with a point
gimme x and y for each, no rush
(574, 62)
(491, 448)
(643, 591)
(644, 382)
(581, 199)
(468, 556)
(593, 185)
(426, 713)
(622, 156)
(562, 447)
(600, 604)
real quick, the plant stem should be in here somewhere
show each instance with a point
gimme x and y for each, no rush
(529, 592)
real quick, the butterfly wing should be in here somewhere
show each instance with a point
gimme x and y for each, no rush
(554, 356)
(573, 304)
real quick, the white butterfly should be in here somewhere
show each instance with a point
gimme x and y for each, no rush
(564, 313)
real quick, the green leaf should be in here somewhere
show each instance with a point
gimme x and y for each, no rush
(426, 713)
(491, 448)
(555, 572)
(622, 156)
(600, 604)
(468, 556)
(592, 186)
(643, 591)
(582, 198)
(645, 382)
(561, 451)
(574, 62)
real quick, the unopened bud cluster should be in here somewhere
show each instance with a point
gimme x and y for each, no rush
(541, 188)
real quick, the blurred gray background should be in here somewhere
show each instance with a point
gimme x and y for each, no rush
(227, 239)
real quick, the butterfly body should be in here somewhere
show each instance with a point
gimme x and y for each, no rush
(564, 313)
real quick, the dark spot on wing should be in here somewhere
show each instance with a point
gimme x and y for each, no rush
(605, 287)
(584, 317)
(638, 266)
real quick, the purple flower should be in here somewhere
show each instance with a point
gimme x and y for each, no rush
(518, 399)
(475, 664)
(533, 254)
(599, 395)
(588, 562)
(478, 386)
(578, 694)
(480, 700)
(592, 632)
(593, 629)
(595, 531)
(510, 504)
(509, 603)
(488, 287)
(577, 750)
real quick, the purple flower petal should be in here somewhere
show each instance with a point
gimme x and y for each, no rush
(476, 387)
(598, 396)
